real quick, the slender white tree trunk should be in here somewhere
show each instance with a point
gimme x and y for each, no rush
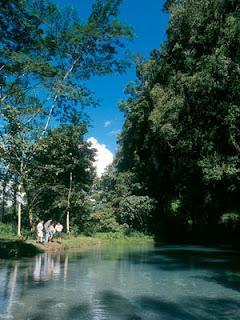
(69, 197)
(20, 196)
(19, 210)
(68, 216)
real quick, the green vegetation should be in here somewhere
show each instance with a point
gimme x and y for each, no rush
(7, 232)
(11, 247)
(17, 248)
(47, 54)
(82, 241)
(180, 140)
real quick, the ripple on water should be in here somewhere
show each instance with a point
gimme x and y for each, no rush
(167, 283)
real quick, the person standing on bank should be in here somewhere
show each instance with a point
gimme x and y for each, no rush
(58, 229)
(47, 230)
(52, 231)
(40, 232)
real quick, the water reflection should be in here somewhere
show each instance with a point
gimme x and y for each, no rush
(8, 279)
(18, 277)
(48, 266)
(120, 283)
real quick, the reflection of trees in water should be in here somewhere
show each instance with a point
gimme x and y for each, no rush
(133, 285)
(18, 277)
(8, 287)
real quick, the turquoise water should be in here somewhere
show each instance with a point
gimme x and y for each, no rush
(123, 282)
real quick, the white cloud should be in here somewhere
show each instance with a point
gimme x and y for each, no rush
(103, 158)
(114, 133)
(107, 124)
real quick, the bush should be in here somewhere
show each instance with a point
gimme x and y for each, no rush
(75, 230)
(7, 231)
(230, 218)
(135, 211)
(101, 220)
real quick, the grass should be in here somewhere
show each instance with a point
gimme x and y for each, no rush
(78, 242)
(7, 232)
(81, 241)
(11, 246)
(123, 238)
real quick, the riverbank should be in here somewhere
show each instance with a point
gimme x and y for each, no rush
(19, 248)
(80, 242)
(83, 242)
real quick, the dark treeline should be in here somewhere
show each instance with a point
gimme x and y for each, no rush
(180, 142)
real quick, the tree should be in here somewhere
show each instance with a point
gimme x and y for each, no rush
(43, 76)
(180, 137)
(121, 204)
(136, 212)
(61, 174)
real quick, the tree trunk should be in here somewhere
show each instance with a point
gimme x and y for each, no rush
(4, 185)
(19, 207)
(19, 210)
(20, 194)
(68, 216)
(15, 198)
(69, 197)
(31, 220)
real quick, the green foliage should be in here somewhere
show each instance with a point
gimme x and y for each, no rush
(62, 153)
(136, 212)
(230, 218)
(110, 235)
(74, 230)
(181, 134)
(46, 56)
(7, 231)
(101, 220)
(122, 203)
(175, 206)
(123, 237)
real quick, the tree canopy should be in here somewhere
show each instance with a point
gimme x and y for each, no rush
(181, 130)
(47, 54)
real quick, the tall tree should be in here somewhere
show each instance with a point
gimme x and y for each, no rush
(61, 174)
(181, 134)
(44, 75)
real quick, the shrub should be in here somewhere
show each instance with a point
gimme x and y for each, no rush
(101, 220)
(135, 211)
(7, 231)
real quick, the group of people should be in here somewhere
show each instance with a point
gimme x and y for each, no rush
(50, 228)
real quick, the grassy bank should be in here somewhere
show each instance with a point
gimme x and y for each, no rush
(81, 241)
(78, 242)
(11, 246)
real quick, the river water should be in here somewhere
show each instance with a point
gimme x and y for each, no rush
(123, 282)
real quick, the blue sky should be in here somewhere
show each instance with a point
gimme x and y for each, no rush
(149, 23)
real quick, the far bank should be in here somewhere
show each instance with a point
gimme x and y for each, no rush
(13, 248)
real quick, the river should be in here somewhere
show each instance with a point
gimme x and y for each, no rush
(123, 282)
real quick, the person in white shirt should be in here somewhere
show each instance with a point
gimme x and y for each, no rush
(58, 229)
(40, 232)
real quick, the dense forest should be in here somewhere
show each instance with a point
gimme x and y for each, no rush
(180, 142)
(176, 171)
